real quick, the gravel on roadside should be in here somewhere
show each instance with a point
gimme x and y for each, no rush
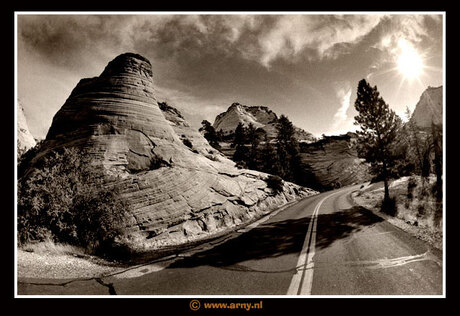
(59, 266)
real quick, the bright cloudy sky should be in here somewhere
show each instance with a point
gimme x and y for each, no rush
(306, 66)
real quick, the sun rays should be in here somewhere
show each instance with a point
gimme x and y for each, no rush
(410, 63)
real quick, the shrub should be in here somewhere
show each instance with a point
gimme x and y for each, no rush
(187, 143)
(421, 211)
(241, 165)
(66, 200)
(275, 183)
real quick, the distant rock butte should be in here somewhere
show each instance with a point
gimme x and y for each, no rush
(334, 161)
(25, 138)
(429, 108)
(259, 116)
(178, 192)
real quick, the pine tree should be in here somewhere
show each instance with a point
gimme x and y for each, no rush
(379, 126)
(239, 143)
(253, 140)
(287, 149)
(239, 136)
(269, 158)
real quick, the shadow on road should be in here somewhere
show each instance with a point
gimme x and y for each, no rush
(281, 238)
(341, 224)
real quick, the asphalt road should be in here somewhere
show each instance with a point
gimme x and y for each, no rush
(322, 245)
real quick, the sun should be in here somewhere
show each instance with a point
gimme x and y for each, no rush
(409, 61)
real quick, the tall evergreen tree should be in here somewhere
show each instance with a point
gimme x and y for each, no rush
(253, 138)
(269, 158)
(287, 149)
(239, 143)
(379, 126)
(239, 135)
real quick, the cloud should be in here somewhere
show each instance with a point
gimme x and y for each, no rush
(344, 96)
(413, 30)
(422, 33)
(408, 27)
(321, 34)
(262, 38)
(342, 123)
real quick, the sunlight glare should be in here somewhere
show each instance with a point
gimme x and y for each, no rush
(410, 63)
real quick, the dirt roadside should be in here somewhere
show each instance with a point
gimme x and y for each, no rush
(369, 197)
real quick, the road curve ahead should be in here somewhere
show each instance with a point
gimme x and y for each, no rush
(322, 245)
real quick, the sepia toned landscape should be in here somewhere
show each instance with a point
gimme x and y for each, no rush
(230, 154)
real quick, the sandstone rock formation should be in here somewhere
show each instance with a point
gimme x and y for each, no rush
(429, 108)
(179, 190)
(335, 162)
(25, 138)
(259, 116)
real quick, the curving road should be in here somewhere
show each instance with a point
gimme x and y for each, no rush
(322, 245)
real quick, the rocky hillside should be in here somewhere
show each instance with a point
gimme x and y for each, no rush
(179, 187)
(259, 116)
(25, 138)
(429, 108)
(334, 161)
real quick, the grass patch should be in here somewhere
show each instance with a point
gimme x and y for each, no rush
(50, 247)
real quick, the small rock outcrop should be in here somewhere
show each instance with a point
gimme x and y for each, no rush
(25, 138)
(429, 108)
(259, 116)
(179, 187)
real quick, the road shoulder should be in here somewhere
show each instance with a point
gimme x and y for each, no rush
(368, 198)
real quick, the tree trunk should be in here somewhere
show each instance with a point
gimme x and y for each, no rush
(385, 182)
(387, 192)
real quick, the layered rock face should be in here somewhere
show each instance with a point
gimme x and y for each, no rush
(25, 138)
(178, 192)
(335, 162)
(429, 108)
(259, 116)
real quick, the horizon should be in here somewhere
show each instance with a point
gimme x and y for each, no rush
(305, 66)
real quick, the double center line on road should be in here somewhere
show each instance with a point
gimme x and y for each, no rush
(302, 280)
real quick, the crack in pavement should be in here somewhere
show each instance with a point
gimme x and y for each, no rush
(368, 264)
(243, 268)
(100, 277)
(108, 285)
(385, 262)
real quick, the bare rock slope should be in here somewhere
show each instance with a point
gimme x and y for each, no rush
(429, 108)
(259, 116)
(334, 161)
(25, 138)
(178, 192)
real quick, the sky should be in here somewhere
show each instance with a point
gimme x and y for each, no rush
(303, 65)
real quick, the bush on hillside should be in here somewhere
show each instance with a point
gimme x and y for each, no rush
(65, 200)
(275, 183)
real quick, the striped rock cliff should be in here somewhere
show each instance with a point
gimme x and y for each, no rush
(334, 161)
(179, 187)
